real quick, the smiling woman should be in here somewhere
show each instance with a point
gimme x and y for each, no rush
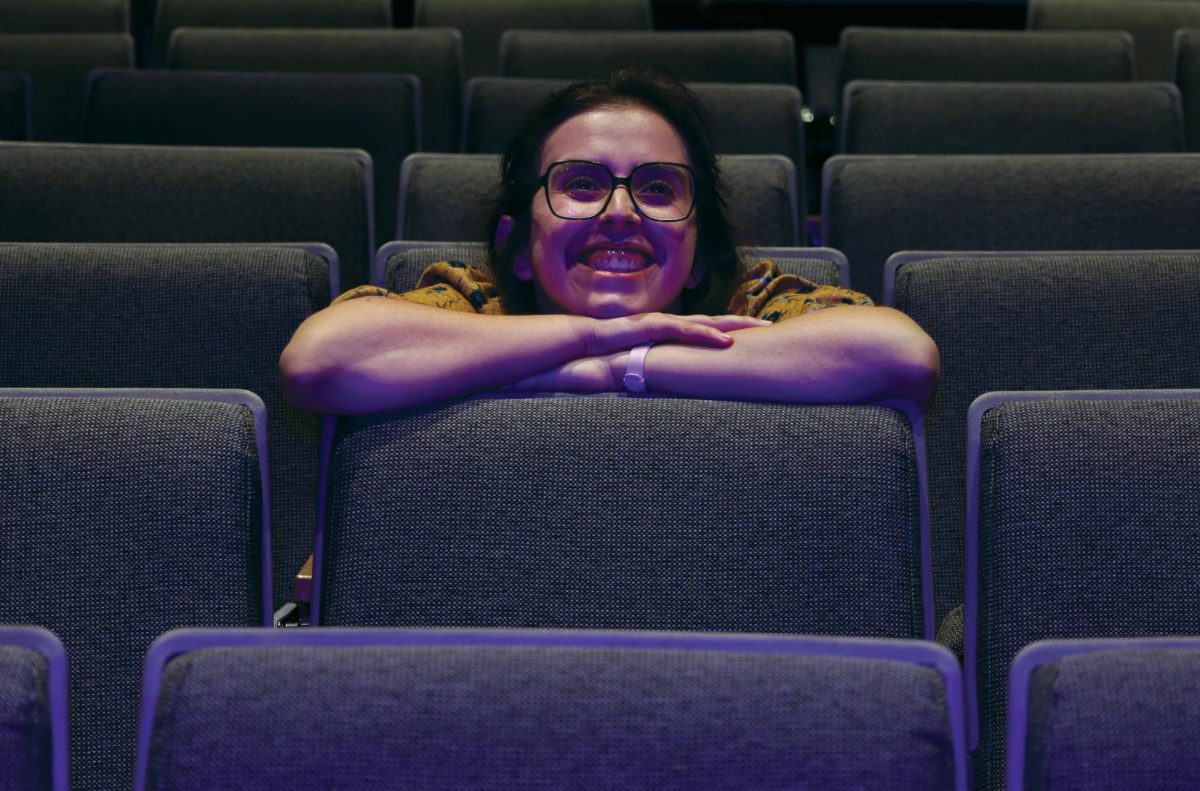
(609, 237)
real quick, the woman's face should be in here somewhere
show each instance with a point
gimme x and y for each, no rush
(618, 263)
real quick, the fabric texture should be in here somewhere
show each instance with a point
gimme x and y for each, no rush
(448, 198)
(176, 194)
(984, 55)
(1115, 719)
(1187, 77)
(432, 55)
(482, 23)
(64, 16)
(174, 316)
(58, 65)
(1063, 322)
(626, 513)
(120, 519)
(876, 206)
(374, 112)
(768, 292)
(1087, 528)
(172, 14)
(1011, 118)
(742, 119)
(1152, 23)
(517, 717)
(25, 752)
(14, 105)
(692, 56)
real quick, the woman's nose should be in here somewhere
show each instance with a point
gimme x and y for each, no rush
(621, 208)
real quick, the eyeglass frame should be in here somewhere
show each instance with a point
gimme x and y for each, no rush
(543, 183)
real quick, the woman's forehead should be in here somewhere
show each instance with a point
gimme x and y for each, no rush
(620, 136)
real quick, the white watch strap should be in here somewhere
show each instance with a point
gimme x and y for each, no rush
(635, 369)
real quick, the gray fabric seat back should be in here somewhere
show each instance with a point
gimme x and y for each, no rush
(58, 65)
(94, 193)
(564, 527)
(446, 197)
(482, 23)
(16, 121)
(983, 55)
(174, 316)
(1106, 712)
(1151, 23)
(374, 112)
(172, 14)
(692, 56)
(1011, 118)
(1187, 77)
(33, 679)
(1085, 527)
(742, 119)
(398, 266)
(123, 517)
(64, 16)
(1039, 321)
(432, 55)
(552, 710)
(878, 205)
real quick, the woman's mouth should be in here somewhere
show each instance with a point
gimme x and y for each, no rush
(618, 260)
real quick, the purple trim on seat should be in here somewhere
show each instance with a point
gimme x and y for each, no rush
(899, 259)
(44, 642)
(917, 652)
(245, 398)
(979, 408)
(1043, 652)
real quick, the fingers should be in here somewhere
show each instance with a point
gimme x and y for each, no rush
(729, 323)
(610, 335)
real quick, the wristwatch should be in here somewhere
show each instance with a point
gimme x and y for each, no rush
(635, 369)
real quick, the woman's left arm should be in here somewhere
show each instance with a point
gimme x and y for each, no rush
(844, 355)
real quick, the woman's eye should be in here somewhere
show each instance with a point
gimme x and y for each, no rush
(657, 191)
(582, 184)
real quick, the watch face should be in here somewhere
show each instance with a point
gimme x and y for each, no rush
(634, 383)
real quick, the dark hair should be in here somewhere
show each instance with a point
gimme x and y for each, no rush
(658, 91)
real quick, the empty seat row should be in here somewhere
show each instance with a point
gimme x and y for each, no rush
(168, 194)
(455, 709)
(1080, 524)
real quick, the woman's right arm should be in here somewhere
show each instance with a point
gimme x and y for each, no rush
(375, 354)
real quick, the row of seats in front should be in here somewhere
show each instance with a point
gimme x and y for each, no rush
(130, 513)
(219, 316)
(497, 708)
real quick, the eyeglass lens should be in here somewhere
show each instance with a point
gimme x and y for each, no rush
(580, 190)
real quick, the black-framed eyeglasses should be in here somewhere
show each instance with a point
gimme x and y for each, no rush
(580, 190)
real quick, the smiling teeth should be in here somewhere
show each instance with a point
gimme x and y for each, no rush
(616, 261)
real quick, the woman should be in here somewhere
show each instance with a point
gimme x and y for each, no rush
(613, 268)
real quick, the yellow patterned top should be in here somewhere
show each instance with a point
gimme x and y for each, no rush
(767, 292)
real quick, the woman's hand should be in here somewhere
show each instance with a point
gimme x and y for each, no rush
(621, 334)
(602, 373)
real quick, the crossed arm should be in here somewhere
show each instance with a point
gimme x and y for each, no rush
(376, 354)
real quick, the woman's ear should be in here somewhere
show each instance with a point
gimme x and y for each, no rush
(522, 267)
